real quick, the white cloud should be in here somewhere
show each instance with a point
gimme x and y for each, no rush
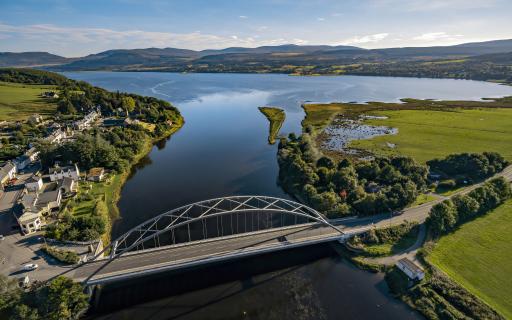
(429, 5)
(436, 36)
(80, 41)
(243, 17)
(366, 39)
(320, 19)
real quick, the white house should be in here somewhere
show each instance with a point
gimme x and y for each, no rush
(34, 183)
(96, 174)
(7, 172)
(56, 137)
(86, 122)
(26, 159)
(30, 222)
(58, 173)
(67, 185)
(50, 200)
(411, 269)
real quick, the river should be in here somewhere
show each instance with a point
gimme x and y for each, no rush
(222, 150)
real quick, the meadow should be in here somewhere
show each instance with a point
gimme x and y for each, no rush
(19, 101)
(429, 134)
(427, 129)
(477, 256)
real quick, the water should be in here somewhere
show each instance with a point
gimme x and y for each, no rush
(223, 150)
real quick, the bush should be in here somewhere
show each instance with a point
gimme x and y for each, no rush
(64, 256)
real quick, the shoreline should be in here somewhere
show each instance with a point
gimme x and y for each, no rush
(120, 179)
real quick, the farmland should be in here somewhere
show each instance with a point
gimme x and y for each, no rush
(478, 257)
(18, 101)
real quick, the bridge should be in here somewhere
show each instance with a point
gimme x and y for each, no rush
(205, 232)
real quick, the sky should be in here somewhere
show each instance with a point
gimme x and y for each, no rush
(79, 27)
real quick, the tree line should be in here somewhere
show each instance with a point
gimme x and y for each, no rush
(444, 217)
(343, 188)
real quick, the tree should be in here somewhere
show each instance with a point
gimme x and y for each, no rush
(66, 107)
(10, 292)
(62, 299)
(443, 217)
(325, 162)
(467, 207)
(24, 312)
(128, 103)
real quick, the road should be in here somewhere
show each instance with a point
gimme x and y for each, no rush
(222, 248)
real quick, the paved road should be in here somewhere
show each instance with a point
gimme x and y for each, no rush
(215, 249)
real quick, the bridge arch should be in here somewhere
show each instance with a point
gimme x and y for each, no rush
(198, 214)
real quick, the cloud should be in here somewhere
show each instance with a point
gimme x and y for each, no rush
(79, 41)
(432, 5)
(436, 36)
(366, 39)
(243, 17)
(320, 19)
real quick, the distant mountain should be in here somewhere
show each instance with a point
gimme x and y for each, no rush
(30, 59)
(238, 59)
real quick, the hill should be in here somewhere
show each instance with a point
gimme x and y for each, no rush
(30, 59)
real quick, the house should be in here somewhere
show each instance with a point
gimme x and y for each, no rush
(87, 121)
(30, 222)
(113, 122)
(58, 173)
(35, 119)
(7, 172)
(50, 94)
(411, 269)
(49, 200)
(67, 185)
(56, 137)
(96, 174)
(34, 183)
(372, 187)
(26, 159)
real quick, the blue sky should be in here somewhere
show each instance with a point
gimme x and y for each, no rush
(76, 27)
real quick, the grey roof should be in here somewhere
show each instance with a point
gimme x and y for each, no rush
(28, 200)
(47, 197)
(410, 265)
(4, 171)
(61, 169)
(66, 183)
(33, 178)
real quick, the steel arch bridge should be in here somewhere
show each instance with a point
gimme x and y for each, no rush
(214, 218)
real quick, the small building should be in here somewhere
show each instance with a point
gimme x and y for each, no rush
(96, 174)
(7, 172)
(34, 183)
(114, 122)
(67, 185)
(87, 121)
(50, 94)
(26, 159)
(58, 173)
(56, 137)
(35, 119)
(49, 200)
(411, 269)
(30, 222)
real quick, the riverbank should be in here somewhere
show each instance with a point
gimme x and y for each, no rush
(113, 192)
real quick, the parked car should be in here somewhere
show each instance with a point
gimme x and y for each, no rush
(2, 237)
(30, 267)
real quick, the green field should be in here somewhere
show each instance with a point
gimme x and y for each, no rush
(478, 256)
(18, 101)
(276, 118)
(429, 134)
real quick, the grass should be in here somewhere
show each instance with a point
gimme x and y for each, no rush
(429, 134)
(477, 256)
(19, 101)
(422, 199)
(276, 117)
(390, 248)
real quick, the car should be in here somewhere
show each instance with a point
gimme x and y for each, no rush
(30, 267)
(2, 237)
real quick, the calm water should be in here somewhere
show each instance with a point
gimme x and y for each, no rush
(222, 150)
